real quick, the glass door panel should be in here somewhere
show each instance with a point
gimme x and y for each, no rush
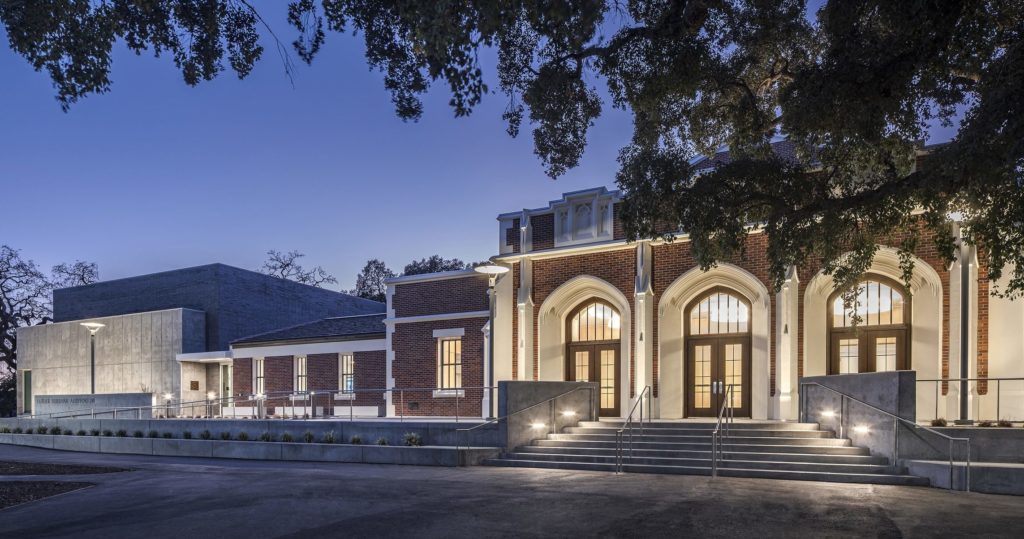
(581, 366)
(609, 395)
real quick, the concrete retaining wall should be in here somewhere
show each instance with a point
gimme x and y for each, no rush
(520, 428)
(317, 452)
(988, 444)
(432, 433)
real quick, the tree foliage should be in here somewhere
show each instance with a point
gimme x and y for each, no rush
(434, 264)
(854, 85)
(286, 266)
(370, 281)
(26, 295)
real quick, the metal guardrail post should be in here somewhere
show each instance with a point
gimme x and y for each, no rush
(401, 400)
(998, 399)
(936, 400)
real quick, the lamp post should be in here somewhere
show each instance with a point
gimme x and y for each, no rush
(492, 272)
(93, 327)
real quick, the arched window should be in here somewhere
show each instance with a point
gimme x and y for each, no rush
(595, 321)
(872, 333)
(720, 312)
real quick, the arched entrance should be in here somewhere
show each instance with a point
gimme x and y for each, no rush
(718, 331)
(593, 332)
(873, 333)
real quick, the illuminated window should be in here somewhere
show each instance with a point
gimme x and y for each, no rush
(877, 304)
(301, 385)
(885, 354)
(719, 313)
(258, 379)
(449, 352)
(347, 373)
(596, 321)
(849, 356)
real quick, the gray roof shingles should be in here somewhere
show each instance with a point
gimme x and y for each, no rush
(337, 328)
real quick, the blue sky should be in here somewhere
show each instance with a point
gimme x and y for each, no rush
(156, 175)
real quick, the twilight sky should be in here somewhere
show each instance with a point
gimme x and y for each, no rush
(155, 175)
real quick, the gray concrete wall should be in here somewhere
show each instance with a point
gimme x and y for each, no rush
(134, 354)
(523, 397)
(238, 302)
(126, 405)
(988, 444)
(893, 392)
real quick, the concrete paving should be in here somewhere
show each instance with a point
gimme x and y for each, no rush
(193, 497)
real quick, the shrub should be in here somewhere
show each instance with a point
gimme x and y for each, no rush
(382, 441)
(5, 430)
(67, 432)
(154, 434)
(243, 436)
(305, 416)
(985, 424)
(138, 434)
(168, 435)
(940, 422)
(95, 432)
(186, 434)
(1003, 423)
(28, 431)
(266, 437)
(17, 430)
(81, 432)
(329, 437)
(287, 437)
(412, 439)
(205, 435)
(41, 430)
(225, 436)
(107, 432)
(308, 437)
(121, 433)
(356, 439)
(56, 430)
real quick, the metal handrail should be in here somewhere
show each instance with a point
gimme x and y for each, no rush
(629, 425)
(999, 389)
(716, 435)
(458, 443)
(306, 396)
(896, 433)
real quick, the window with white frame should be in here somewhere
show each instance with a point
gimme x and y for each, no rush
(449, 356)
(301, 385)
(347, 373)
(257, 374)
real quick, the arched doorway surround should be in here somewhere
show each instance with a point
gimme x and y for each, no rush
(553, 332)
(717, 329)
(873, 333)
(673, 341)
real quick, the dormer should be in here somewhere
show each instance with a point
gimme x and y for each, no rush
(578, 218)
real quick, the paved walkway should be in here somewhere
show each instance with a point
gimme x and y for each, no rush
(182, 497)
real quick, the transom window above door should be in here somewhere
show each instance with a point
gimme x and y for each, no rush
(595, 321)
(877, 304)
(719, 312)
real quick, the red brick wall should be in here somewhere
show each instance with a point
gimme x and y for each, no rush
(277, 374)
(674, 259)
(241, 376)
(464, 294)
(617, 267)
(512, 236)
(543, 234)
(370, 373)
(415, 366)
(618, 232)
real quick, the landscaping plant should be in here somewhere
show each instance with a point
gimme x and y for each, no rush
(308, 437)
(356, 440)
(67, 432)
(243, 436)
(121, 433)
(940, 422)
(168, 435)
(225, 436)
(382, 441)
(41, 430)
(287, 437)
(412, 439)
(107, 432)
(95, 432)
(186, 434)
(205, 435)
(329, 437)
(154, 434)
(1003, 423)
(81, 432)
(138, 434)
(266, 437)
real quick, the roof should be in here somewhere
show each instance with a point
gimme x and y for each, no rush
(783, 149)
(340, 328)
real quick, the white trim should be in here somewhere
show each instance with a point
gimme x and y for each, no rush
(451, 332)
(436, 317)
(344, 396)
(219, 356)
(437, 276)
(339, 347)
(449, 393)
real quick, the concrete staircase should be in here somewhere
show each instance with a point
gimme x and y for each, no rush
(763, 449)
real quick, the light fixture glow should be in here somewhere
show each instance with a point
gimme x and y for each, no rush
(491, 269)
(861, 429)
(568, 413)
(93, 327)
(211, 395)
(168, 396)
(828, 413)
(538, 425)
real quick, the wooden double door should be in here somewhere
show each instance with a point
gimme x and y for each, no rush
(712, 365)
(597, 362)
(869, 350)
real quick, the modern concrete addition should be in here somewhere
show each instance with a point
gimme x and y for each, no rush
(530, 418)
(109, 405)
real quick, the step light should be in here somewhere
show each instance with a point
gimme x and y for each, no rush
(569, 413)
(861, 429)
(828, 413)
(538, 426)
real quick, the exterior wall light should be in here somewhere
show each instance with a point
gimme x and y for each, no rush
(861, 429)
(211, 395)
(828, 413)
(168, 396)
(538, 425)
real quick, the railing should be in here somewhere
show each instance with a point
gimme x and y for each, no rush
(215, 407)
(896, 420)
(937, 383)
(628, 425)
(726, 416)
(551, 413)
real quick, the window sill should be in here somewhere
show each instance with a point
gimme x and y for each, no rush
(344, 396)
(438, 393)
(299, 396)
